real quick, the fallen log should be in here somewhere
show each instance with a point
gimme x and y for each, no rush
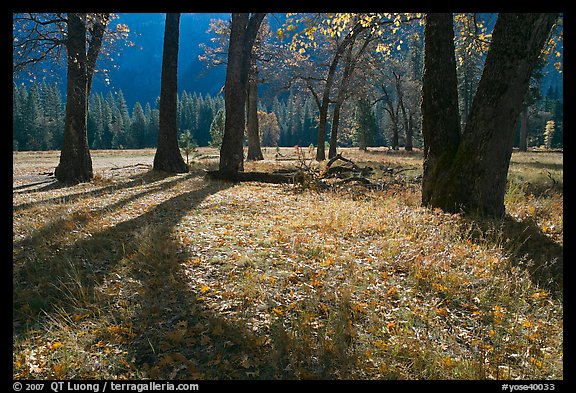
(341, 169)
(262, 177)
(339, 157)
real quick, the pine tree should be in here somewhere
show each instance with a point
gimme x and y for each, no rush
(55, 112)
(91, 123)
(217, 129)
(149, 140)
(138, 126)
(95, 127)
(187, 144)
(118, 137)
(32, 131)
(364, 127)
(153, 127)
(18, 100)
(123, 108)
(107, 120)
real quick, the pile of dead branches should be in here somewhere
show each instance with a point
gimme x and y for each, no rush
(336, 174)
(340, 172)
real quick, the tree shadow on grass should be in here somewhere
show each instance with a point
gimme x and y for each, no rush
(133, 180)
(529, 248)
(181, 336)
(47, 278)
(132, 281)
(46, 235)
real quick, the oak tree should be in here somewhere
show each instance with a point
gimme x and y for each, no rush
(168, 157)
(243, 30)
(468, 172)
(75, 164)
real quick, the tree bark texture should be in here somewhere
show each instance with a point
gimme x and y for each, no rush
(75, 164)
(470, 174)
(252, 127)
(244, 29)
(96, 37)
(334, 129)
(440, 120)
(168, 157)
(523, 142)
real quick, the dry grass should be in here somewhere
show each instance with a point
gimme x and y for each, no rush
(140, 274)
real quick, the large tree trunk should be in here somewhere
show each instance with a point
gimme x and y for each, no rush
(168, 157)
(523, 143)
(254, 150)
(242, 36)
(75, 164)
(474, 178)
(440, 119)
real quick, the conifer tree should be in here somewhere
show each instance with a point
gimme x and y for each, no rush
(138, 126)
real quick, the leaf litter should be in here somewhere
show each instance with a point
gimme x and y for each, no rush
(179, 277)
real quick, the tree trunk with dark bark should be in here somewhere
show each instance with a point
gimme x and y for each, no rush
(324, 104)
(243, 33)
(96, 37)
(405, 118)
(440, 119)
(334, 128)
(75, 164)
(409, 134)
(523, 143)
(350, 64)
(470, 174)
(322, 120)
(168, 157)
(254, 150)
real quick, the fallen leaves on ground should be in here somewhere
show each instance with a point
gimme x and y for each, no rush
(151, 275)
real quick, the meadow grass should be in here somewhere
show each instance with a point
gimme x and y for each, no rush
(140, 274)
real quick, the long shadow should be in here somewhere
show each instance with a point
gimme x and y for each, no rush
(134, 180)
(174, 334)
(539, 254)
(178, 336)
(529, 249)
(17, 189)
(43, 277)
(79, 219)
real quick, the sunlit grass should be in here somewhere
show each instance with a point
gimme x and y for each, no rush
(185, 278)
